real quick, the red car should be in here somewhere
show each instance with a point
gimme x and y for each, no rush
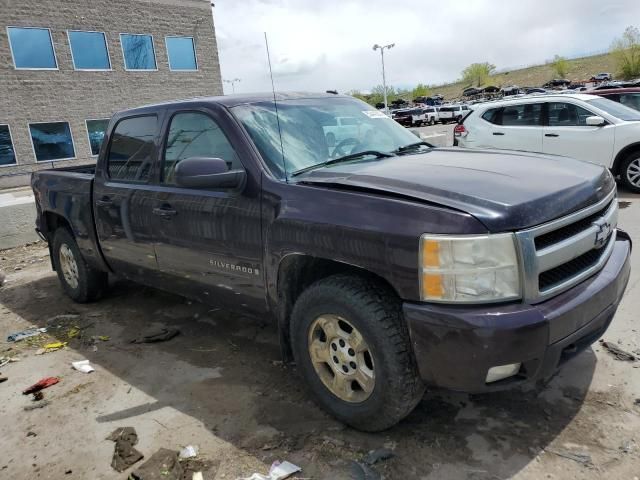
(626, 96)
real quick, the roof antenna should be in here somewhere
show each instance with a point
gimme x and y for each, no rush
(275, 104)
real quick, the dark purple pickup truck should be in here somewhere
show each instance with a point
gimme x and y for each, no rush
(388, 265)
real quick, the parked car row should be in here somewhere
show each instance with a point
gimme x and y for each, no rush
(582, 126)
(418, 116)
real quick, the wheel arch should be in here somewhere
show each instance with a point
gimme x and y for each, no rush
(298, 271)
(623, 154)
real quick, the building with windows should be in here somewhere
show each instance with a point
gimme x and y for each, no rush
(67, 65)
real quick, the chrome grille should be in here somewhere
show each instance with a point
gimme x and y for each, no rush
(559, 254)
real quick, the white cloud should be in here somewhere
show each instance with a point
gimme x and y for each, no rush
(324, 44)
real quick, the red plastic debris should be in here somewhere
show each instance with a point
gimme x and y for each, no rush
(42, 384)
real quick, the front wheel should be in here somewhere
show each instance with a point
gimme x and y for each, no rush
(630, 172)
(79, 280)
(353, 350)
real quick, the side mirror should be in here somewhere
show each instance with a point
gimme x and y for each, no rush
(205, 172)
(595, 121)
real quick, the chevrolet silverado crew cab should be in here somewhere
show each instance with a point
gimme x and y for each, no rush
(387, 265)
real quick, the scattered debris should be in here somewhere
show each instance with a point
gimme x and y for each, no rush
(375, 456)
(5, 360)
(197, 476)
(623, 204)
(32, 434)
(124, 455)
(627, 446)
(51, 347)
(580, 457)
(361, 471)
(161, 335)
(34, 406)
(83, 366)
(617, 352)
(42, 384)
(30, 332)
(189, 451)
(3, 378)
(38, 396)
(636, 401)
(278, 471)
(103, 338)
(162, 465)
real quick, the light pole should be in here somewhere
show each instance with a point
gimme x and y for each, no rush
(384, 80)
(233, 84)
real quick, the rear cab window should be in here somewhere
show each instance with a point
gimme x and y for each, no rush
(132, 149)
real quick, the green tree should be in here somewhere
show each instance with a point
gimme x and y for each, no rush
(477, 74)
(626, 51)
(560, 65)
(421, 90)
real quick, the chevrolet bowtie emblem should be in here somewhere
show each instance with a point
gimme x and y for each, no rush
(602, 234)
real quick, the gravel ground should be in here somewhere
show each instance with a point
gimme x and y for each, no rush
(220, 385)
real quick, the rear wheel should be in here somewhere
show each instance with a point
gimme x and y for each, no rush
(79, 280)
(353, 350)
(630, 172)
(432, 121)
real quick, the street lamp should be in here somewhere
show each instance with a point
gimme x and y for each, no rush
(384, 80)
(233, 84)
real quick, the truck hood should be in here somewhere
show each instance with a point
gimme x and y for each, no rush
(505, 190)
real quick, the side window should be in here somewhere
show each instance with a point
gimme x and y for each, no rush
(194, 134)
(525, 115)
(131, 151)
(491, 116)
(567, 115)
(631, 100)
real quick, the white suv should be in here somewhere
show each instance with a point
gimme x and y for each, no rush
(581, 126)
(452, 113)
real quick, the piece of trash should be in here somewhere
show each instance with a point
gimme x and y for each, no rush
(162, 465)
(361, 471)
(197, 476)
(83, 366)
(189, 451)
(103, 338)
(32, 434)
(580, 457)
(124, 455)
(42, 384)
(375, 456)
(3, 378)
(627, 446)
(30, 332)
(73, 332)
(617, 352)
(34, 406)
(6, 360)
(52, 347)
(161, 335)
(282, 470)
(38, 396)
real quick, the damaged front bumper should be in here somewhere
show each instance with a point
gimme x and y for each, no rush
(456, 347)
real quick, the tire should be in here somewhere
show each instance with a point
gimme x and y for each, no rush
(375, 314)
(630, 172)
(432, 121)
(81, 282)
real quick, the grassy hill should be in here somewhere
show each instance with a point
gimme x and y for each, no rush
(580, 69)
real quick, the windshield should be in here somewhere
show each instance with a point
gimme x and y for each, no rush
(615, 109)
(314, 131)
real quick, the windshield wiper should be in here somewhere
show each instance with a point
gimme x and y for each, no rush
(344, 158)
(412, 146)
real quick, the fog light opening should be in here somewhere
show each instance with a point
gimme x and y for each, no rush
(503, 371)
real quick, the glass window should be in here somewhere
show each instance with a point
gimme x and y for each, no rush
(131, 151)
(32, 48)
(491, 115)
(52, 141)
(89, 50)
(7, 154)
(138, 52)
(196, 135)
(569, 115)
(631, 100)
(95, 131)
(182, 53)
(525, 115)
(618, 110)
(309, 133)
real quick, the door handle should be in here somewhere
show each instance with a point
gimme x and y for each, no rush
(551, 135)
(498, 133)
(104, 202)
(164, 212)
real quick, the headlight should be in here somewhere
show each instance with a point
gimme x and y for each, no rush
(469, 269)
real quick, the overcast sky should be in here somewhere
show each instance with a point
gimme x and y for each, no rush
(324, 44)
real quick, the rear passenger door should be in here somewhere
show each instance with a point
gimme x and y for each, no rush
(568, 134)
(123, 196)
(516, 127)
(208, 242)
